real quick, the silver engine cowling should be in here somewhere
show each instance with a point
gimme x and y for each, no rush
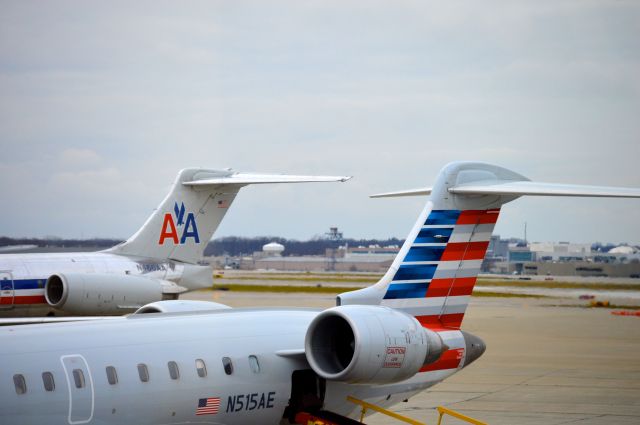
(369, 344)
(96, 294)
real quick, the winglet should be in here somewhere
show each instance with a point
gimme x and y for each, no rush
(409, 192)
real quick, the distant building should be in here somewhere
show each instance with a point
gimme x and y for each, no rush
(517, 255)
(498, 248)
(561, 251)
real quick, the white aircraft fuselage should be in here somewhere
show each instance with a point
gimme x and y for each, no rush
(257, 391)
(23, 278)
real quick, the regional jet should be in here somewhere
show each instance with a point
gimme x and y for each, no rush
(159, 262)
(178, 362)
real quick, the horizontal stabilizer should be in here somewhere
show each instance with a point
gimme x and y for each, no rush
(409, 192)
(249, 178)
(524, 188)
(520, 188)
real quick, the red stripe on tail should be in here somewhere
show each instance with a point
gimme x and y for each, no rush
(478, 217)
(457, 251)
(452, 287)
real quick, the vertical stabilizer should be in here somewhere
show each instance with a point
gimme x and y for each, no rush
(433, 275)
(181, 227)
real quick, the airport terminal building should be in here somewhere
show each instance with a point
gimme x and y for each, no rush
(503, 257)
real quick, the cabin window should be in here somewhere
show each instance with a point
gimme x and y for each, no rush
(173, 370)
(47, 380)
(20, 384)
(253, 364)
(78, 378)
(143, 372)
(201, 368)
(112, 375)
(228, 366)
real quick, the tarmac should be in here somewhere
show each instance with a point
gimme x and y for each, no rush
(545, 363)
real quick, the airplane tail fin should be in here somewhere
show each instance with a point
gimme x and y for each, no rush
(181, 227)
(433, 275)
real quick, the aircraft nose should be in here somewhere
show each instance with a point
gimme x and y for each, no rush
(475, 347)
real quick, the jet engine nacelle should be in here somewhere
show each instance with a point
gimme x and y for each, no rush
(96, 294)
(369, 344)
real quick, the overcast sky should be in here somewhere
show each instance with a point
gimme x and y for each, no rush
(101, 103)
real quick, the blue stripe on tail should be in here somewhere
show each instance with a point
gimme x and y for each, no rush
(433, 235)
(424, 253)
(415, 272)
(406, 290)
(440, 217)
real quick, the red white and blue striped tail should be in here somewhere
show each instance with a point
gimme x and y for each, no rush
(435, 278)
(433, 275)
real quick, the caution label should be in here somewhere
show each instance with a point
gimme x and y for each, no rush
(394, 357)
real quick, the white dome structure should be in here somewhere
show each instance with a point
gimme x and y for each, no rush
(627, 250)
(273, 248)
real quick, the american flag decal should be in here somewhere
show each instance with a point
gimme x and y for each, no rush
(208, 406)
(224, 203)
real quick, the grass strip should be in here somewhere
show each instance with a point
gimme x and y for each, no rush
(480, 282)
(614, 306)
(282, 288)
(305, 278)
(483, 294)
(336, 290)
(559, 285)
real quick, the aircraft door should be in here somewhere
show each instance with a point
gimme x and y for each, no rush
(7, 291)
(307, 393)
(80, 384)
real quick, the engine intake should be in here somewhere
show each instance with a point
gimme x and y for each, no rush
(369, 344)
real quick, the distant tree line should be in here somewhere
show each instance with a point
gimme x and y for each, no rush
(61, 243)
(235, 246)
(230, 245)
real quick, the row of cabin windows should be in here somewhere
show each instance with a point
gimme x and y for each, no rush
(143, 373)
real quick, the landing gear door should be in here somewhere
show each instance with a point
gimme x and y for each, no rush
(80, 384)
(7, 292)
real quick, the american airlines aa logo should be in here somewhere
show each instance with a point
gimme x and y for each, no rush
(170, 226)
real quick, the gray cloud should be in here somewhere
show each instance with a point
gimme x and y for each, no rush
(102, 103)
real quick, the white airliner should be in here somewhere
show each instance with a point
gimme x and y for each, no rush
(179, 362)
(157, 263)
